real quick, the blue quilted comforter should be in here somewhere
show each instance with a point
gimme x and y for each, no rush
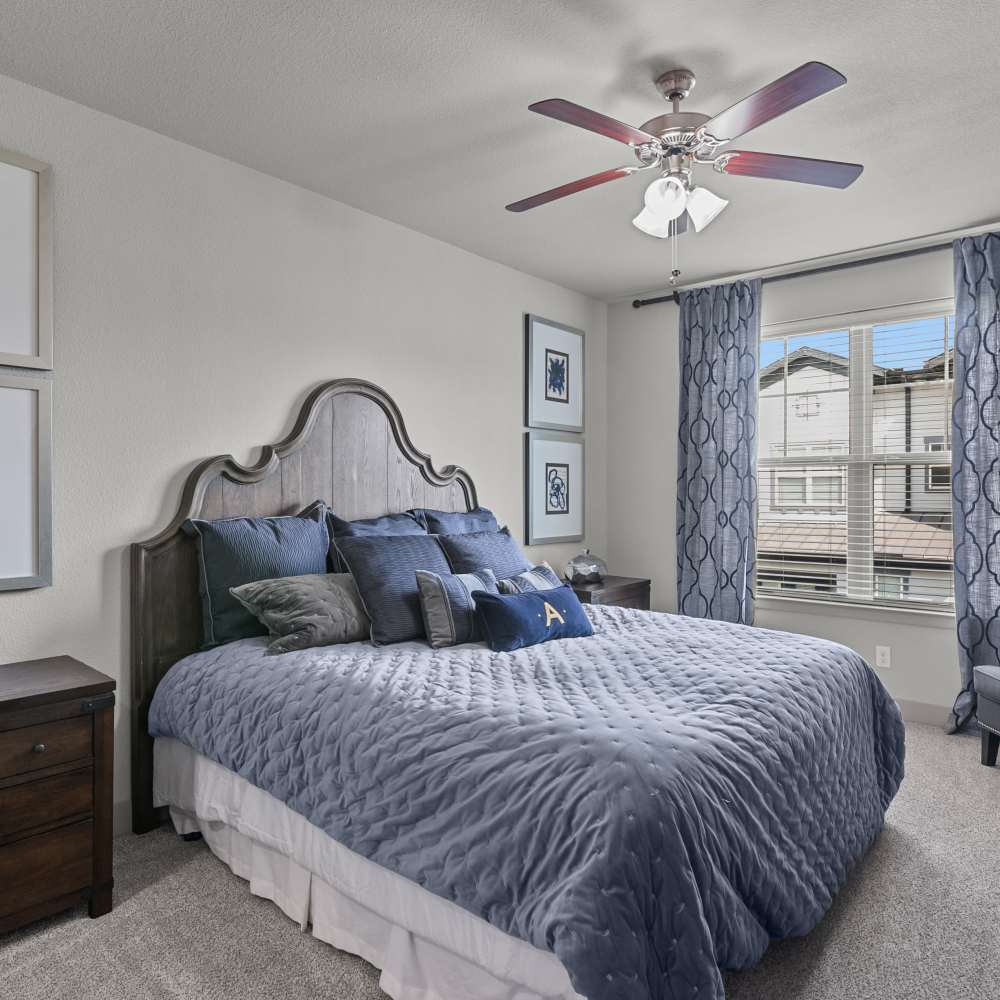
(651, 803)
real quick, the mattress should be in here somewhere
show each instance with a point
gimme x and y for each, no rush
(650, 804)
(426, 947)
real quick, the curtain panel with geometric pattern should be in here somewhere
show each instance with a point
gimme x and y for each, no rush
(975, 461)
(717, 451)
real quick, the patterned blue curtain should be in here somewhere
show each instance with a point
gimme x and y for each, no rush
(717, 451)
(975, 461)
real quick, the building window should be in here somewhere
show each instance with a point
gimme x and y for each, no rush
(938, 477)
(855, 471)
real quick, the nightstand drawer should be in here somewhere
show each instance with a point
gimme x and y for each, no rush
(34, 747)
(45, 801)
(50, 865)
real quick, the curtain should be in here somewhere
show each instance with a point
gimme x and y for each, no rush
(717, 451)
(975, 461)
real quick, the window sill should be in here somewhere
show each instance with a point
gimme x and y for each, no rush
(924, 617)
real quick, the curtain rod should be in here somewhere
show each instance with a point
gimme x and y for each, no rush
(941, 241)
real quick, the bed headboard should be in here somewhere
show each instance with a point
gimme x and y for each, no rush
(348, 447)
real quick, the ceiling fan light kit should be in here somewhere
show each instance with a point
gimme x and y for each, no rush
(676, 142)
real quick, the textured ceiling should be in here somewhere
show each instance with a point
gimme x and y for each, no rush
(417, 112)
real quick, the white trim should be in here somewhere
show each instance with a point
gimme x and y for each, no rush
(936, 617)
(835, 322)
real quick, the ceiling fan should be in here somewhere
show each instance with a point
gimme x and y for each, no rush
(674, 143)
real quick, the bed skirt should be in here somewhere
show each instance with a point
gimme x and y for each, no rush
(426, 947)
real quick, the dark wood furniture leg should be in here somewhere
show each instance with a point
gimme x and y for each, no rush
(991, 746)
(104, 741)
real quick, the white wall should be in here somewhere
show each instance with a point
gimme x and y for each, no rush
(195, 303)
(642, 466)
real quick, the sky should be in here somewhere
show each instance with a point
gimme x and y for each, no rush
(895, 345)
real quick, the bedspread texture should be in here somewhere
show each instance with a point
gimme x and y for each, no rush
(651, 803)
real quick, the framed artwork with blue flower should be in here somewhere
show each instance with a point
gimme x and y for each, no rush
(553, 487)
(554, 388)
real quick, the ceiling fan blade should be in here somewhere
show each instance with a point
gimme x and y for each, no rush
(593, 121)
(810, 80)
(828, 173)
(571, 188)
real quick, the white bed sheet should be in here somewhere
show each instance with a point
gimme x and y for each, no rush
(426, 947)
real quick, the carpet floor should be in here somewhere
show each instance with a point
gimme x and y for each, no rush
(919, 917)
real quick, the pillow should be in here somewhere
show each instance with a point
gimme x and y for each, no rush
(540, 577)
(304, 611)
(512, 621)
(241, 550)
(384, 568)
(443, 522)
(387, 524)
(448, 607)
(495, 550)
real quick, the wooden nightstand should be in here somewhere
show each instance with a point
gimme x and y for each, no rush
(621, 591)
(56, 768)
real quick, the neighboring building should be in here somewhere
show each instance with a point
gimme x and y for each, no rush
(804, 414)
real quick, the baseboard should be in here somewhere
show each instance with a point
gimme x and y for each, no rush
(922, 713)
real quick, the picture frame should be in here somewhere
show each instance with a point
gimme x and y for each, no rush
(25, 480)
(25, 262)
(555, 487)
(554, 390)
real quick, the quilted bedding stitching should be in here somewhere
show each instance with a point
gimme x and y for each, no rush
(651, 804)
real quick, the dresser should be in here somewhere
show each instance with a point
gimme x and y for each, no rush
(56, 771)
(620, 591)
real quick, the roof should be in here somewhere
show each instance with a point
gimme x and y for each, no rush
(805, 357)
(912, 538)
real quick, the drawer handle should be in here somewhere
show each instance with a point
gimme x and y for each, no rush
(39, 748)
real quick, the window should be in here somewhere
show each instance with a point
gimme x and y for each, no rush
(855, 467)
(938, 476)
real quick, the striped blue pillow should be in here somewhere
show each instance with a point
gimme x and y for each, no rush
(448, 605)
(495, 550)
(540, 577)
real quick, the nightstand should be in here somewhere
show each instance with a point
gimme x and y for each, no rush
(620, 591)
(56, 769)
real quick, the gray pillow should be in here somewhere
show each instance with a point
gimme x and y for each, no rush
(540, 577)
(303, 611)
(448, 606)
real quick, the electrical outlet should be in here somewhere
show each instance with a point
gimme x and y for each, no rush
(883, 657)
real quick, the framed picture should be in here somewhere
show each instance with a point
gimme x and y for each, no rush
(553, 375)
(554, 487)
(25, 262)
(25, 481)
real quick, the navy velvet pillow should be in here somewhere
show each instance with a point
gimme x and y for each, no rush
(241, 550)
(512, 621)
(385, 570)
(495, 550)
(444, 522)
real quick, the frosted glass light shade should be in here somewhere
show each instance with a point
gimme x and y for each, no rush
(666, 198)
(651, 224)
(703, 206)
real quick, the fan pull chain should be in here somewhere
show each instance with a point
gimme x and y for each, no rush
(675, 271)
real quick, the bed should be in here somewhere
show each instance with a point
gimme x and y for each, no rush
(619, 816)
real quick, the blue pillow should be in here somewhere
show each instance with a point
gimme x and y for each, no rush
(387, 524)
(444, 522)
(540, 577)
(384, 568)
(239, 550)
(512, 621)
(448, 607)
(495, 550)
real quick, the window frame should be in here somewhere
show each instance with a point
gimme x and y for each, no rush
(859, 463)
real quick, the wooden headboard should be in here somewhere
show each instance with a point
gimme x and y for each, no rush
(349, 448)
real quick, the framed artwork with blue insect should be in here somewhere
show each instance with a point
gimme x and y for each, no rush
(553, 487)
(554, 386)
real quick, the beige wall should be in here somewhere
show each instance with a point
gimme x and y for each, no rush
(195, 303)
(642, 463)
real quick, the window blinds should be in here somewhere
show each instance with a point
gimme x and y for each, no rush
(854, 467)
